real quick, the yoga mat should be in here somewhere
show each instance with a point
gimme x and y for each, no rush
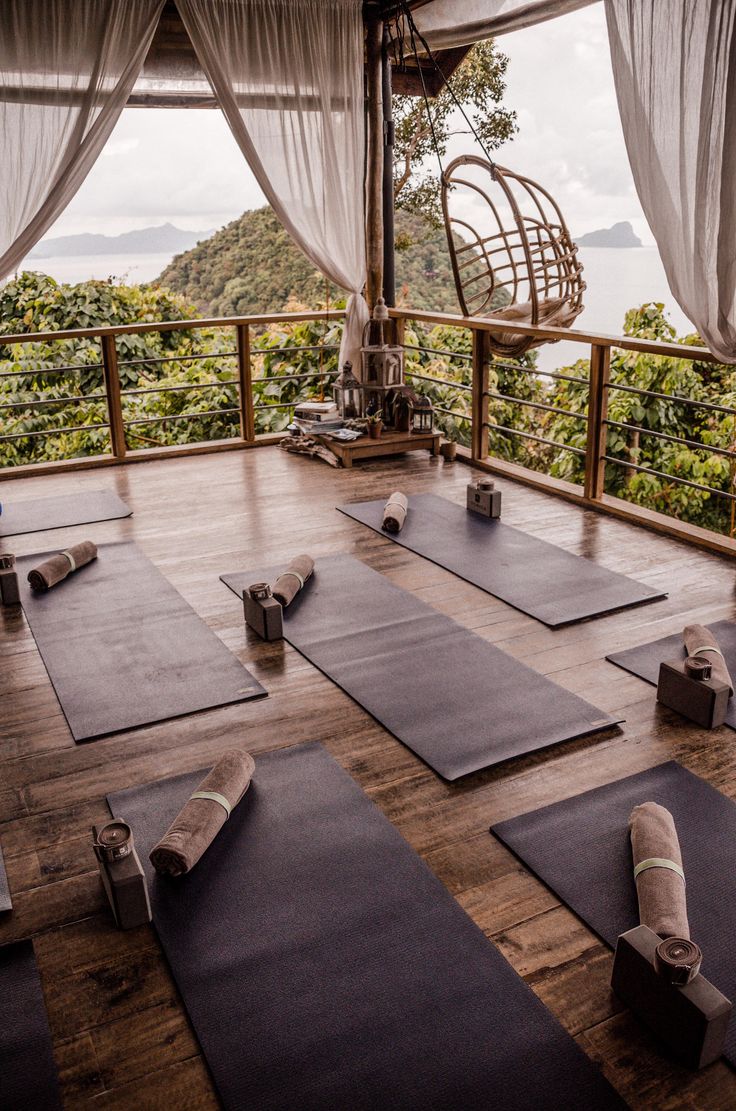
(580, 848)
(63, 511)
(6, 903)
(122, 648)
(28, 1080)
(324, 967)
(644, 660)
(555, 586)
(458, 702)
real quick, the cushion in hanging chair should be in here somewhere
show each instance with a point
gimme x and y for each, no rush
(554, 312)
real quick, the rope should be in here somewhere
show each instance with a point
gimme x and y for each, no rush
(414, 34)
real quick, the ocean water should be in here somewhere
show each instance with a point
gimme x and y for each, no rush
(618, 279)
(82, 268)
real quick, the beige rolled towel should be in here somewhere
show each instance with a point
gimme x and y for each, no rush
(201, 819)
(56, 569)
(290, 581)
(659, 886)
(699, 641)
(395, 511)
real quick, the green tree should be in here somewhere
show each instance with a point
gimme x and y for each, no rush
(479, 85)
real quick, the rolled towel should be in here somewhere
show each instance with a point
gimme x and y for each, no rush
(699, 641)
(54, 570)
(290, 581)
(660, 880)
(395, 511)
(197, 824)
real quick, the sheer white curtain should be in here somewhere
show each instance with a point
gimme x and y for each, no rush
(66, 70)
(288, 74)
(449, 23)
(674, 63)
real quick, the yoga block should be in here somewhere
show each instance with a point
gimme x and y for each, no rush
(126, 890)
(486, 502)
(704, 701)
(9, 589)
(264, 616)
(690, 1021)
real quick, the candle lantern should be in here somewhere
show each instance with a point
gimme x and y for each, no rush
(348, 394)
(422, 414)
(382, 363)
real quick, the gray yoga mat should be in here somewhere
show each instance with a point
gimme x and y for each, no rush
(6, 903)
(458, 702)
(63, 511)
(324, 967)
(122, 648)
(550, 584)
(28, 1080)
(644, 660)
(580, 848)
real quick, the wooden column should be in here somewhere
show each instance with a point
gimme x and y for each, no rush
(595, 449)
(374, 160)
(245, 384)
(389, 268)
(114, 400)
(479, 442)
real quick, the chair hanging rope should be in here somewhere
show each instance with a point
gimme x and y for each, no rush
(516, 261)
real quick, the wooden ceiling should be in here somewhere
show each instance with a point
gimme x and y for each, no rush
(172, 53)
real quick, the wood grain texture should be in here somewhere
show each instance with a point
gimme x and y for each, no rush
(121, 1037)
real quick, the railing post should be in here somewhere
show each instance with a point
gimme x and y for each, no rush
(245, 384)
(595, 467)
(112, 391)
(479, 442)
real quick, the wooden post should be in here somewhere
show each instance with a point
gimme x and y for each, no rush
(114, 401)
(389, 266)
(595, 467)
(479, 442)
(245, 384)
(374, 160)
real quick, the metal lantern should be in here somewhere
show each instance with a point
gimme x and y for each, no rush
(348, 394)
(422, 414)
(383, 363)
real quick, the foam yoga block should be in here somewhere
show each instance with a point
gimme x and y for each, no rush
(538, 578)
(457, 701)
(324, 967)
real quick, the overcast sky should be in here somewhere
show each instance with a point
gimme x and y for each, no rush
(184, 166)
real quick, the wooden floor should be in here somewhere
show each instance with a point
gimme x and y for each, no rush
(121, 1037)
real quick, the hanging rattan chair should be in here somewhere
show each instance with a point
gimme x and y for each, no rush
(516, 260)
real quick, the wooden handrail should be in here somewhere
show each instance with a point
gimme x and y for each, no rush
(170, 326)
(574, 335)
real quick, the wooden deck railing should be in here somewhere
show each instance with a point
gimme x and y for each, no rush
(469, 412)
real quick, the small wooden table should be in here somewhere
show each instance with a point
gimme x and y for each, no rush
(389, 443)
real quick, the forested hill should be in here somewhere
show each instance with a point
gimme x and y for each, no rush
(252, 266)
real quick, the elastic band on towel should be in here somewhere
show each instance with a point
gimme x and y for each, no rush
(658, 862)
(295, 574)
(71, 559)
(213, 796)
(707, 648)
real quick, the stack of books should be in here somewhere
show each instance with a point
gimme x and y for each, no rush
(317, 416)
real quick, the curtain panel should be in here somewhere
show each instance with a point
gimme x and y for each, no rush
(449, 23)
(674, 64)
(66, 71)
(288, 74)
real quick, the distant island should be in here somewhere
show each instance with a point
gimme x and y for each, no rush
(618, 235)
(162, 239)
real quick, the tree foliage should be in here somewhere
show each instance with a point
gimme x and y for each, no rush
(479, 85)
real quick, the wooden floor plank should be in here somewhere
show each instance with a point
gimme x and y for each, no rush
(121, 1037)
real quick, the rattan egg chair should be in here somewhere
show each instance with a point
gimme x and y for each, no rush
(516, 260)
